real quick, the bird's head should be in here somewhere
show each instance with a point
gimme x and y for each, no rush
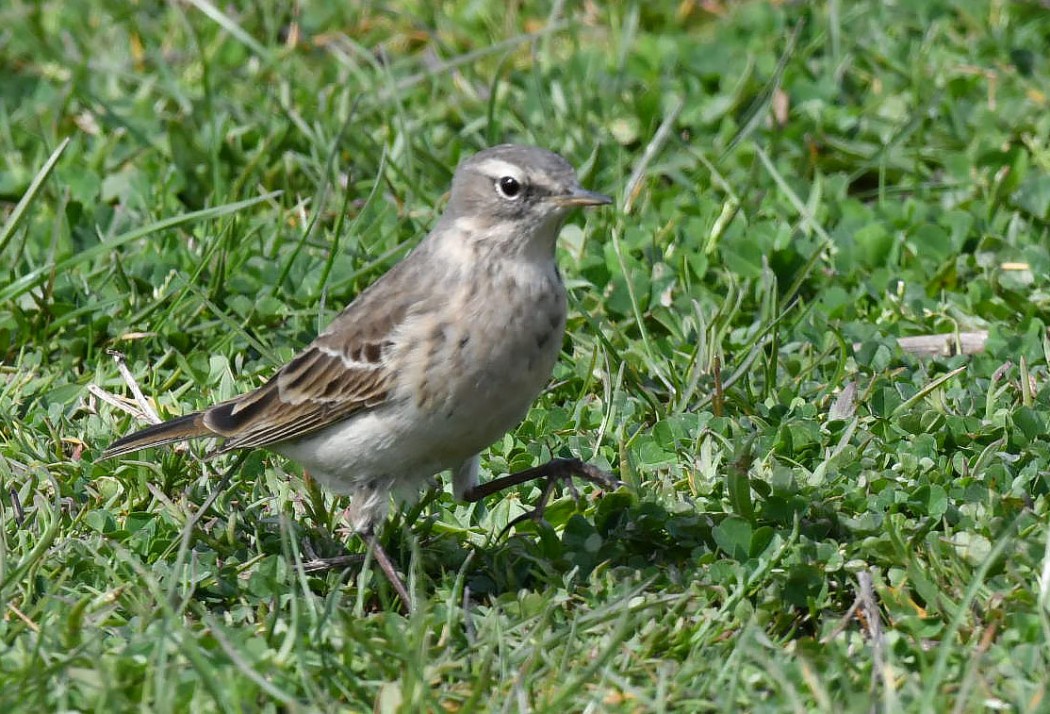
(516, 195)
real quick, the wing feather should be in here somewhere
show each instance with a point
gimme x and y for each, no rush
(314, 390)
(345, 370)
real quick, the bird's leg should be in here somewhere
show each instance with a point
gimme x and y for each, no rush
(388, 567)
(321, 564)
(360, 518)
(554, 471)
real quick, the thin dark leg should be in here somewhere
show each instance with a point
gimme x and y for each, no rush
(321, 564)
(554, 470)
(388, 568)
(562, 469)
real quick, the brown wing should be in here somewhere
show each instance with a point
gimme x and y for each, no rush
(345, 370)
(312, 391)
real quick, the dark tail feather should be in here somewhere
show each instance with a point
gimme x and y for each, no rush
(190, 426)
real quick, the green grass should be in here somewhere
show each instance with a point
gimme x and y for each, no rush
(183, 184)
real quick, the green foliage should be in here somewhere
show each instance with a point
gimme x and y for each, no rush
(201, 186)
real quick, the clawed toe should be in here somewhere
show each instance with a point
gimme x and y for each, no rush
(564, 471)
(318, 565)
(595, 475)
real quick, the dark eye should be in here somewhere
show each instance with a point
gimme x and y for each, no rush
(508, 187)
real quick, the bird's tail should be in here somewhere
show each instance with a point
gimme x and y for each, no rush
(190, 426)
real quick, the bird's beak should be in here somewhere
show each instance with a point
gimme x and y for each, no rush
(581, 197)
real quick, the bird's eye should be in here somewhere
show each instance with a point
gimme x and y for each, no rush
(508, 187)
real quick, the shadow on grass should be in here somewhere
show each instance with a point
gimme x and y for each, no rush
(675, 545)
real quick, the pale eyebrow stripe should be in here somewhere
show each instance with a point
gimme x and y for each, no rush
(498, 167)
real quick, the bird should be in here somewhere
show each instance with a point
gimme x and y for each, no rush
(430, 364)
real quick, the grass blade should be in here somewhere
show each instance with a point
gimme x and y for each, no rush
(28, 281)
(16, 217)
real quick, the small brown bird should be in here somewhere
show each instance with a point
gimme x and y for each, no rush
(433, 362)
